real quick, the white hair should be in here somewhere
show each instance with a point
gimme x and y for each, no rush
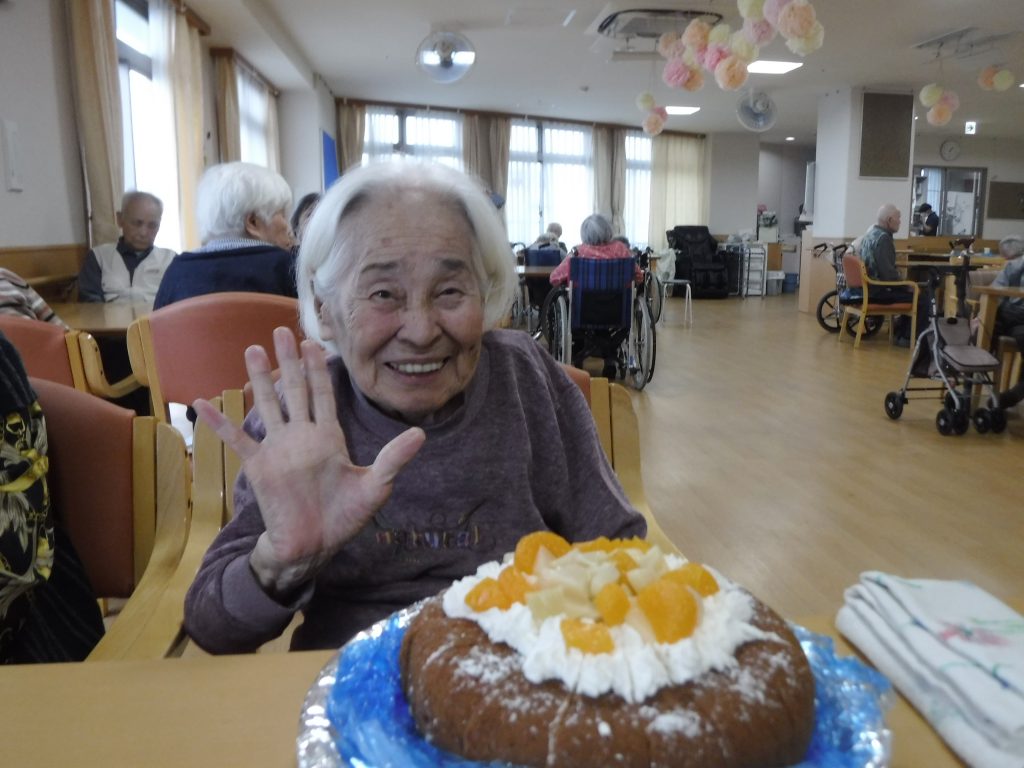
(228, 193)
(324, 262)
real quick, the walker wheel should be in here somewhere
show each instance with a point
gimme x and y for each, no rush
(998, 417)
(961, 421)
(894, 405)
(944, 422)
(982, 421)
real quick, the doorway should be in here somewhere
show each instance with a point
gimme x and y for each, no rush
(956, 194)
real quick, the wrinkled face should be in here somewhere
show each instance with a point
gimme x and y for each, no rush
(408, 320)
(892, 222)
(139, 222)
(276, 230)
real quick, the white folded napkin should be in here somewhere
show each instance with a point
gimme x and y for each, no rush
(954, 651)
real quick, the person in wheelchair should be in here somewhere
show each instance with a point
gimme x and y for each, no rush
(598, 241)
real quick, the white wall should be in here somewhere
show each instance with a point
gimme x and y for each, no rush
(845, 203)
(303, 114)
(1003, 159)
(50, 208)
(732, 182)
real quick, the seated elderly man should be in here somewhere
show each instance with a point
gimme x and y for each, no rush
(131, 268)
(242, 213)
(425, 443)
(878, 252)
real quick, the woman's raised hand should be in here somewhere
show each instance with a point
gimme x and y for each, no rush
(312, 498)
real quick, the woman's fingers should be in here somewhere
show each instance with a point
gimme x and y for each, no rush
(320, 388)
(293, 375)
(396, 454)
(257, 364)
(234, 437)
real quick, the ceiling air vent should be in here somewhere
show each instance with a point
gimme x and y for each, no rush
(650, 23)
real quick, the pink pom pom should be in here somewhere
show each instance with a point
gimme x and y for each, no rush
(676, 73)
(731, 73)
(759, 32)
(940, 114)
(950, 100)
(661, 112)
(772, 8)
(796, 19)
(653, 124)
(714, 54)
(696, 34)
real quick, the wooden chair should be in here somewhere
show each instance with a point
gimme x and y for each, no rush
(857, 277)
(119, 485)
(195, 348)
(71, 358)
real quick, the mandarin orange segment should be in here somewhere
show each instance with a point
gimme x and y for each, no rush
(623, 561)
(526, 550)
(612, 602)
(600, 544)
(587, 636)
(513, 584)
(487, 594)
(695, 576)
(634, 543)
(671, 609)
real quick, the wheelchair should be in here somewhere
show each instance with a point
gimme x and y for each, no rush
(601, 313)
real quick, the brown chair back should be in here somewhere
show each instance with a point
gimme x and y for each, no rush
(48, 351)
(852, 266)
(195, 348)
(92, 484)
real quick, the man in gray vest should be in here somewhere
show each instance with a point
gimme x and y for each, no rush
(131, 268)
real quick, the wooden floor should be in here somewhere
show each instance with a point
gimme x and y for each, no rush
(767, 454)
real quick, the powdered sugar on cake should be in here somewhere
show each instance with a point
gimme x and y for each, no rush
(637, 668)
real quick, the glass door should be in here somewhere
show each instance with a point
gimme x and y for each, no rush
(956, 194)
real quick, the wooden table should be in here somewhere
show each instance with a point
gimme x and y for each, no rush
(990, 297)
(232, 710)
(102, 319)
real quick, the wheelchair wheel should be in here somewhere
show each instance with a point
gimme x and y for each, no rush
(652, 294)
(554, 318)
(642, 349)
(872, 325)
(829, 312)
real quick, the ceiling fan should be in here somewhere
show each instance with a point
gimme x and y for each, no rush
(445, 56)
(756, 111)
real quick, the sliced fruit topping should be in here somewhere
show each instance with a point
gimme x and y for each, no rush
(671, 608)
(530, 547)
(697, 577)
(487, 594)
(613, 604)
(587, 636)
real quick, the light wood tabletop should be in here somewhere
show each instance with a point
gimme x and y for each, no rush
(987, 306)
(233, 710)
(101, 319)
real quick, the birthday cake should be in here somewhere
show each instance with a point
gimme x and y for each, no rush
(606, 653)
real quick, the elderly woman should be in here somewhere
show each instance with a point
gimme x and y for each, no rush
(424, 442)
(597, 242)
(242, 213)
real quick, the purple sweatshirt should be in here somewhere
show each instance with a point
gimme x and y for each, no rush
(520, 455)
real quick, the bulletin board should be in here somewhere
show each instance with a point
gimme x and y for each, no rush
(1005, 200)
(330, 152)
(886, 129)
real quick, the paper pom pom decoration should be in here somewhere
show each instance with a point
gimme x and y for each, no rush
(986, 78)
(802, 46)
(751, 9)
(760, 32)
(645, 101)
(696, 34)
(731, 73)
(796, 19)
(714, 55)
(930, 94)
(654, 123)
(1003, 80)
(720, 33)
(696, 81)
(742, 47)
(772, 8)
(950, 99)
(666, 44)
(940, 114)
(676, 73)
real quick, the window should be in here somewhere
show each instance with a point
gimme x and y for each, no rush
(636, 212)
(955, 194)
(550, 178)
(150, 160)
(427, 134)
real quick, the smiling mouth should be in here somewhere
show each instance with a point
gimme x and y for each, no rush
(417, 368)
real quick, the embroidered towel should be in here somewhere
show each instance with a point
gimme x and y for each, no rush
(954, 651)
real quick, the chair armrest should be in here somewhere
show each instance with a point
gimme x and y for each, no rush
(95, 377)
(892, 283)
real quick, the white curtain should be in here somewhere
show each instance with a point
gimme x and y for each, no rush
(677, 185)
(186, 65)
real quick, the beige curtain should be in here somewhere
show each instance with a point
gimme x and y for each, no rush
(351, 130)
(273, 134)
(229, 135)
(677, 185)
(97, 112)
(187, 79)
(485, 149)
(618, 180)
(610, 174)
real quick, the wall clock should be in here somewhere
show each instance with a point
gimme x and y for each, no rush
(949, 150)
